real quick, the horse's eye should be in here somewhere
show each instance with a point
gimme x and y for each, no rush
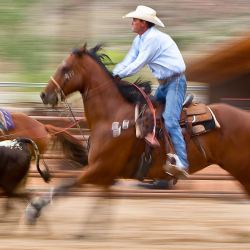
(65, 69)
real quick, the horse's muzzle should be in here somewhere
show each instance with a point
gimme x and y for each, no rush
(51, 99)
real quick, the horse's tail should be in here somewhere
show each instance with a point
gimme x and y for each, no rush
(71, 146)
(45, 174)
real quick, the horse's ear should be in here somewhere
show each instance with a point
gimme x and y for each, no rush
(84, 47)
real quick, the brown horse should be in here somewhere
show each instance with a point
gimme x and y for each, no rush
(42, 135)
(112, 157)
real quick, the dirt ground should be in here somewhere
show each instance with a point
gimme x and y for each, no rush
(132, 224)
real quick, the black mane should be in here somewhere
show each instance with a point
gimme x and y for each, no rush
(131, 93)
(100, 58)
(128, 91)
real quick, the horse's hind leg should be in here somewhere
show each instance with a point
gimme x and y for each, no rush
(99, 216)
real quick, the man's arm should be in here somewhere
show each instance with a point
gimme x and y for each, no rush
(144, 57)
(130, 57)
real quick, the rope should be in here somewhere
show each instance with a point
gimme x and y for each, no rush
(58, 132)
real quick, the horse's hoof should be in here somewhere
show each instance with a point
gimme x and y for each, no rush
(80, 236)
(158, 184)
(31, 214)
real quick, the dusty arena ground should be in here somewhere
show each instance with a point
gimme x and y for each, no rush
(132, 224)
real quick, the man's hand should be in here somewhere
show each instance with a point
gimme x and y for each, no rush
(117, 78)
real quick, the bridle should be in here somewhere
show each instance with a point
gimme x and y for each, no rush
(59, 90)
(63, 99)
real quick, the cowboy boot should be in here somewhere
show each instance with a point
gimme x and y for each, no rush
(173, 167)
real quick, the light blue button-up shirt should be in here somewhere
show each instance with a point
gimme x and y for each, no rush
(155, 49)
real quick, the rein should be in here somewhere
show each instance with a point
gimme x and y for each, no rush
(66, 104)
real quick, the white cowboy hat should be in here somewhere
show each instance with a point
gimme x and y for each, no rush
(145, 13)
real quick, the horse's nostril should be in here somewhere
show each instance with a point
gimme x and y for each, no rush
(42, 95)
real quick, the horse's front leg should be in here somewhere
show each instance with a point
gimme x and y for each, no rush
(102, 171)
(98, 217)
(34, 207)
(90, 175)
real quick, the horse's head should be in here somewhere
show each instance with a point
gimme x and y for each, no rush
(67, 79)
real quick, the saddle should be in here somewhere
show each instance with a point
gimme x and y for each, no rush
(196, 119)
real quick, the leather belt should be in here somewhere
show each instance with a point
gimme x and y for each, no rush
(170, 78)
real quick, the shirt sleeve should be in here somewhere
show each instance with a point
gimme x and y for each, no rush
(130, 57)
(147, 52)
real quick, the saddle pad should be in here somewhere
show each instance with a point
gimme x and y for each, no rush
(6, 122)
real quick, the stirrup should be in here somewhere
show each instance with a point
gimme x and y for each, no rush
(175, 171)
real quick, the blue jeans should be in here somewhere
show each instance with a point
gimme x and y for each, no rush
(172, 94)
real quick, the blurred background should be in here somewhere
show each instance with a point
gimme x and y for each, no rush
(35, 35)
